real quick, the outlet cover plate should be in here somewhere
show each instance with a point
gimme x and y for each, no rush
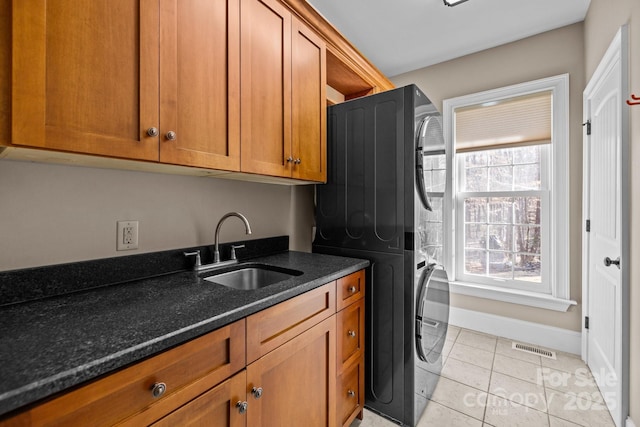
(127, 237)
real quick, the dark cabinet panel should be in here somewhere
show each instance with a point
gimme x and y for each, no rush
(362, 204)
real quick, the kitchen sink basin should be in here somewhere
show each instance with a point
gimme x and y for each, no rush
(253, 276)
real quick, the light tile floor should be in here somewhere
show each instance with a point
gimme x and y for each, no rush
(485, 383)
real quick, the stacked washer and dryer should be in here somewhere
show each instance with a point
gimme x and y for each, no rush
(383, 201)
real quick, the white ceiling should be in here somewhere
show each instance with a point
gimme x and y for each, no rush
(403, 35)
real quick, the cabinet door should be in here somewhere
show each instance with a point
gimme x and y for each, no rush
(298, 381)
(85, 76)
(265, 40)
(5, 72)
(215, 408)
(309, 112)
(199, 83)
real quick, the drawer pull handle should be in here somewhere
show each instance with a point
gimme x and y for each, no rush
(171, 136)
(158, 389)
(242, 406)
(257, 392)
(352, 334)
(153, 132)
(351, 393)
(352, 289)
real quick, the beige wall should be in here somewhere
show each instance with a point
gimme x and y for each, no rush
(544, 55)
(601, 24)
(55, 213)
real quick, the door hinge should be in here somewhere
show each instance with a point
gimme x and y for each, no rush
(588, 226)
(586, 322)
(588, 125)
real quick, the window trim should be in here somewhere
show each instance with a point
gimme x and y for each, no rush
(559, 298)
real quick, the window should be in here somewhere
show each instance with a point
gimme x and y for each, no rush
(500, 204)
(508, 193)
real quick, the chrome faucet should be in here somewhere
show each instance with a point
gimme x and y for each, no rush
(216, 252)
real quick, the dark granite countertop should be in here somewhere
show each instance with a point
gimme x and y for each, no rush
(51, 344)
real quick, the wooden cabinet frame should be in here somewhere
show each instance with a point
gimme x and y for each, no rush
(45, 56)
(25, 133)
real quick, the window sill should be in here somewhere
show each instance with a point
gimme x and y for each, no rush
(531, 299)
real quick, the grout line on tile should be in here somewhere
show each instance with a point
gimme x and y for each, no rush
(455, 410)
(539, 381)
(493, 361)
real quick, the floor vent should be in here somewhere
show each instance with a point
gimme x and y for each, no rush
(533, 350)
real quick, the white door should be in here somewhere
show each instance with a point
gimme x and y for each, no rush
(603, 103)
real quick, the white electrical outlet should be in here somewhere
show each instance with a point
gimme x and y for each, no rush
(127, 237)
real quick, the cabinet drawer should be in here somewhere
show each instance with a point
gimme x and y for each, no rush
(351, 333)
(350, 393)
(187, 371)
(350, 289)
(272, 327)
(215, 408)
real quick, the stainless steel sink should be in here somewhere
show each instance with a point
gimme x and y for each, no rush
(254, 276)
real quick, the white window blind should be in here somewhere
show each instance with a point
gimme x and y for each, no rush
(514, 122)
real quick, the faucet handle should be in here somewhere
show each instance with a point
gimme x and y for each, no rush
(233, 250)
(197, 255)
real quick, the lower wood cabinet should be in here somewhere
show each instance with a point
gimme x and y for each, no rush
(274, 326)
(295, 384)
(295, 363)
(350, 348)
(350, 395)
(350, 334)
(222, 406)
(144, 392)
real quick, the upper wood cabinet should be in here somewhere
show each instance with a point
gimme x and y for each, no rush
(80, 85)
(283, 93)
(5, 72)
(349, 74)
(199, 83)
(196, 87)
(308, 94)
(148, 80)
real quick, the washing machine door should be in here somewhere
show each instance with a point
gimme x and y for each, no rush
(432, 313)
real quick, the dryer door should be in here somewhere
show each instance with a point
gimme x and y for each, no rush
(432, 313)
(429, 142)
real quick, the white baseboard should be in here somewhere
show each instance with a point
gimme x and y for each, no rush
(515, 329)
(630, 423)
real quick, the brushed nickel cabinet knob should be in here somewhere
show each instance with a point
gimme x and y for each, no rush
(257, 392)
(242, 407)
(158, 389)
